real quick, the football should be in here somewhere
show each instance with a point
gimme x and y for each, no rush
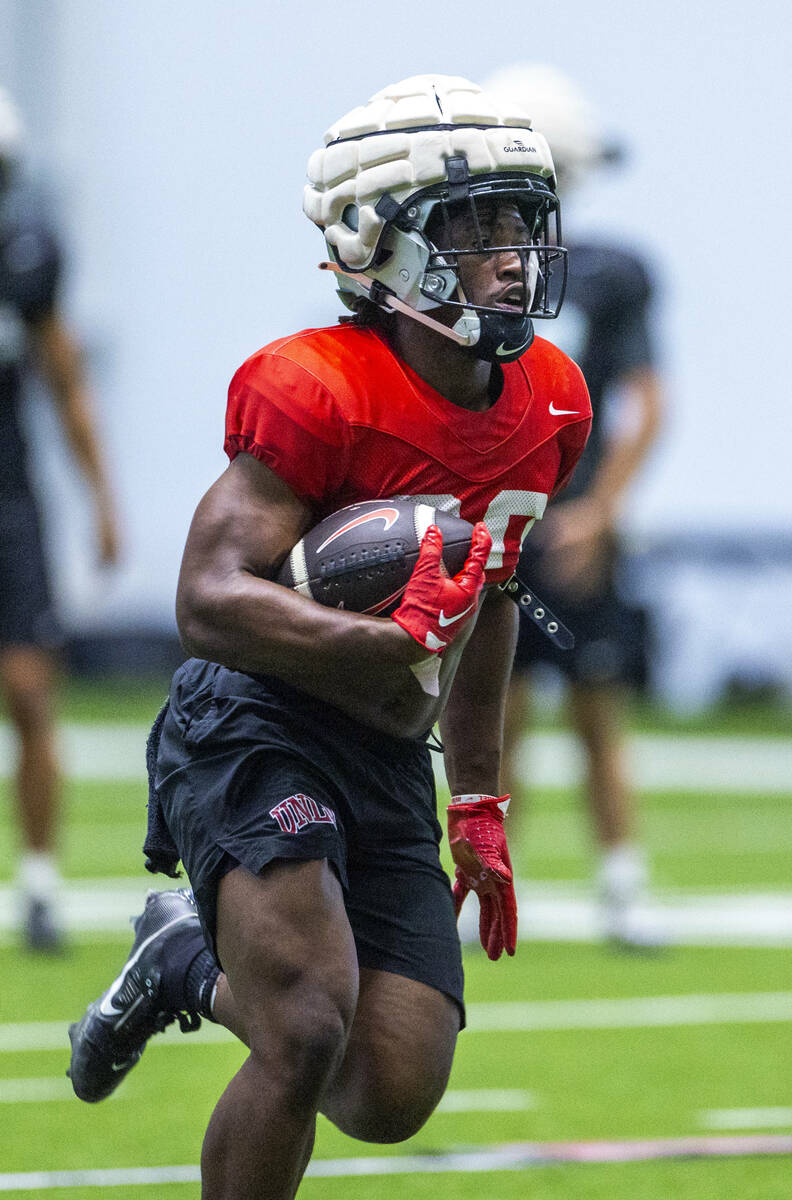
(362, 556)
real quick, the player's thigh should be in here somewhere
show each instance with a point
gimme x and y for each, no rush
(288, 952)
(398, 1059)
(403, 1035)
(27, 616)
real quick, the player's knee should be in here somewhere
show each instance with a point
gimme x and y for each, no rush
(389, 1108)
(28, 689)
(30, 708)
(393, 1115)
(304, 1050)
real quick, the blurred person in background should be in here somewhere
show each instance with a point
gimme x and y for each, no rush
(574, 556)
(33, 336)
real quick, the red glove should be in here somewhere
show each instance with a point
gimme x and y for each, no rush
(478, 846)
(435, 609)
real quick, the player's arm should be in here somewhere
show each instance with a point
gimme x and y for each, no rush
(471, 726)
(59, 360)
(628, 449)
(229, 610)
(577, 530)
(472, 732)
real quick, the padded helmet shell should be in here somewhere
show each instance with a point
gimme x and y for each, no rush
(399, 143)
(562, 111)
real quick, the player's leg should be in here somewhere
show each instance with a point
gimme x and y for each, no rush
(397, 1061)
(514, 777)
(597, 713)
(285, 942)
(28, 637)
(27, 678)
(410, 1006)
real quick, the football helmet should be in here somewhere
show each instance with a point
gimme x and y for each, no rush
(392, 179)
(563, 113)
(11, 136)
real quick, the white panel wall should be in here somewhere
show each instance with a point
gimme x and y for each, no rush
(175, 137)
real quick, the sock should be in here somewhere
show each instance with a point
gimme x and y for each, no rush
(201, 984)
(188, 982)
(622, 872)
(38, 875)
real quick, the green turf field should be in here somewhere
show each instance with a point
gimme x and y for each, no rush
(559, 1049)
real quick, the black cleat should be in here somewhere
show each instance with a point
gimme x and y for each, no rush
(112, 1035)
(41, 932)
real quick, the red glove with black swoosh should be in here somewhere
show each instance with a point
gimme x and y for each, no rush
(478, 846)
(435, 609)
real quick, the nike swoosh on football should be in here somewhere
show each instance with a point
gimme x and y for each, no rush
(443, 620)
(388, 515)
(563, 412)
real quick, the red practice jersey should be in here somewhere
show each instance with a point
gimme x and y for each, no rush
(340, 418)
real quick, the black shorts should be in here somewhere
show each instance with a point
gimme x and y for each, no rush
(610, 636)
(250, 771)
(26, 611)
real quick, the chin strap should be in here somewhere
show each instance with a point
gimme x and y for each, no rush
(528, 602)
(469, 321)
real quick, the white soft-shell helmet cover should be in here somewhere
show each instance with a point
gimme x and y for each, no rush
(399, 143)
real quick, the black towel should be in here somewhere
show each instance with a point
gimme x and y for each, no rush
(162, 856)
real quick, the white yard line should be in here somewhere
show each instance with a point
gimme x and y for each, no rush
(515, 1157)
(638, 1012)
(552, 911)
(746, 1118)
(487, 1100)
(58, 1089)
(34, 1091)
(684, 761)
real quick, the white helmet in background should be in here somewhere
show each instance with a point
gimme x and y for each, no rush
(396, 169)
(11, 135)
(560, 109)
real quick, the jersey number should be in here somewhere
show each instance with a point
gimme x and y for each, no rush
(509, 516)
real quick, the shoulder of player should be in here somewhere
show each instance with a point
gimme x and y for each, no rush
(26, 243)
(546, 362)
(624, 271)
(555, 381)
(331, 355)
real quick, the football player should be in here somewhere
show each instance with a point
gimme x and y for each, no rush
(575, 559)
(290, 769)
(33, 332)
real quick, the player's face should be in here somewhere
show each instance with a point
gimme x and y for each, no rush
(492, 280)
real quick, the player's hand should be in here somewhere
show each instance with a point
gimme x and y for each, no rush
(435, 609)
(576, 541)
(478, 846)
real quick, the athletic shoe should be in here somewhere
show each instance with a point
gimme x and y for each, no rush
(112, 1035)
(635, 927)
(628, 920)
(41, 932)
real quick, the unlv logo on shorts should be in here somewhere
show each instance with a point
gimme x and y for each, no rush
(297, 811)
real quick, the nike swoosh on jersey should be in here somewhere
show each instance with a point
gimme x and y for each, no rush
(443, 620)
(562, 412)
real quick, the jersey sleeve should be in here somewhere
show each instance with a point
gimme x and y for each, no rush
(572, 438)
(631, 343)
(34, 264)
(288, 419)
